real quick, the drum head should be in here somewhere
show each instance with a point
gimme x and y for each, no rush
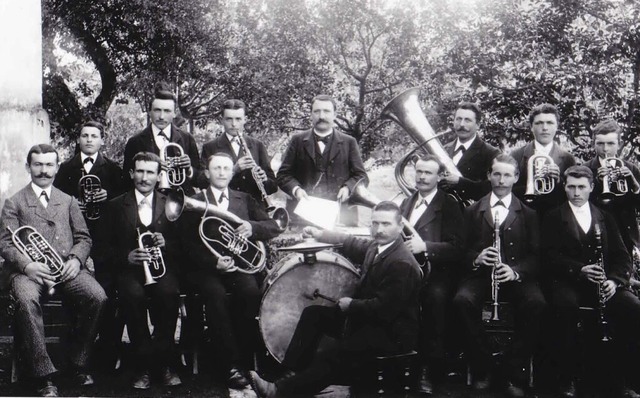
(289, 289)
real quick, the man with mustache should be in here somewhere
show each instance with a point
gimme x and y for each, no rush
(57, 217)
(380, 319)
(321, 161)
(471, 155)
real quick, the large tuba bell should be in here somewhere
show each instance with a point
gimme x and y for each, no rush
(36, 247)
(217, 233)
(405, 110)
(88, 186)
(175, 176)
(538, 180)
(613, 183)
(155, 268)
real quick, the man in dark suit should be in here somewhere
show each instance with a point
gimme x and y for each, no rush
(138, 211)
(321, 162)
(437, 218)
(606, 140)
(514, 266)
(56, 216)
(161, 131)
(572, 259)
(381, 318)
(234, 332)
(544, 121)
(471, 155)
(257, 160)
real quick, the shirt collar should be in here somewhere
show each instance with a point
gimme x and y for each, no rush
(38, 191)
(506, 200)
(429, 197)
(83, 157)
(156, 130)
(466, 145)
(216, 192)
(322, 134)
(584, 209)
(140, 196)
(543, 149)
(382, 248)
(230, 137)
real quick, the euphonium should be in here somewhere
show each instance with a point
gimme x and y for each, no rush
(88, 186)
(602, 303)
(538, 180)
(495, 285)
(278, 214)
(36, 247)
(155, 268)
(613, 183)
(175, 176)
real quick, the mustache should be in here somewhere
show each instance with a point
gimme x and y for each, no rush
(44, 175)
(462, 129)
(322, 120)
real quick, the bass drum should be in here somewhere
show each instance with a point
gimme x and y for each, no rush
(289, 288)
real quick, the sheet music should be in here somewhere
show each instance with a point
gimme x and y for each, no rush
(321, 212)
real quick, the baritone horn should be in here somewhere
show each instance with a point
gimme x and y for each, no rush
(154, 268)
(613, 183)
(36, 248)
(88, 186)
(539, 182)
(175, 175)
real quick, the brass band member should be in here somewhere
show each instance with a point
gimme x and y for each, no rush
(321, 161)
(516, 270)
(382, 317)
(161, 131)
(606, 140)
(544, 120)
(233, 120)
(570, 255)
(137, 211)
(57, 217)
(438, 219)
(234, 333)
(471, 155)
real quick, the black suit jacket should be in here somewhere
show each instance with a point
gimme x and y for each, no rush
(519, 237)
(473, 165)
(385, 310)
(143, 141)
(563, 248)
(440, 226)
(622, 208)
(542, 203)
(242, 181)
(242, 205)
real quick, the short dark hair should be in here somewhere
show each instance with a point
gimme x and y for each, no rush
(470, 106)
(504, 158)
(233, 104)
(324, 97)
(146, 157)
(579, 171)
(387, 205)
(543, 108)
(40, 149)
(432, 158)
(607, 126)
(162, 91)
(94, 124)
(223, 154)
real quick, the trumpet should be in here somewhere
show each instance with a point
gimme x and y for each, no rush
(538, 180)
(604, 325)
(36, 247)
(613, 183)
(155, 268)
(175, 176)
(495, 285)
(88, 186)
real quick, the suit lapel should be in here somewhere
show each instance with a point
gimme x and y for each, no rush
(97, 165)
(310, 145)
(131, 209)
(158, 207)
(227, 147)
(235, 202)
(486, 209)
(336, 145)
(470, 153)
(515, 207)
(570, 221)
(34, 202)
(410, 204)
(430, 214)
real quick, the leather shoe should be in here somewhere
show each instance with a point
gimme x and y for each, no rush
(142, 381)
(568, 390)
(629, 393)
(83, 379)
(262, 388)
(481, 384)
(513, 391)
(425, 386)
(169, 378)
(237, 379)
(48, 389)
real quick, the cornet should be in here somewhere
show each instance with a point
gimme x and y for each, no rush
(88, 186)
(538, 180)
(613, 183)
(155, 268)
(175, 176)
(39, 250)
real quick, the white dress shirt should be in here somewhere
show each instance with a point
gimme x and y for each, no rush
(38, 191)
(235, 143)
(321, 144)
(145, 207)
(224, 203)
(88, 165)
(582, 215)
(421, 206)
(501, 211)
(458, 155)
(540, 149)
(161, 142)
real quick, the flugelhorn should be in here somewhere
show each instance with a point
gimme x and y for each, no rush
(538, 180)
(613, 183)
(217, 234)
(495, 285)
(36, 247)
(156, 267)
(279, 214)
(88, 186)
(175, 175)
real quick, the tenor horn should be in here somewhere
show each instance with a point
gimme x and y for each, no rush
(88, 186)
(175, 175)
(156, 267)
(613, 183)
(538, 180)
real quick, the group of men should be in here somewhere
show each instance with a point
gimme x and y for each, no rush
(557, 251)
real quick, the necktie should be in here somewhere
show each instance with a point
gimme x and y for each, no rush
(499, 203)
(88, 160)
(460, 149)
(163, 135)
(87, 164)
(44, 199)
(235, 144)
(144, 211)
(222, 197)
(457, 154)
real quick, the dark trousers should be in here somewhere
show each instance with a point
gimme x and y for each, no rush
(529, 306)
(435, 298)
(234, 333)
(163, 300)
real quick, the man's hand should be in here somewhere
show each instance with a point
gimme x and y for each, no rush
(344, 303)
(602, 172)
(593, 273)
(449, 180)
(343, 194)
(301, 194)
(634, 185)
(244, 163)
(416, 245)
(183, 162)
(504, 273)
(226, 264)
(245, 229)
(311, 232)
(258, 172)
(553, 171)
(138, 256)
(100, 196)
(71, 269)
(609, 289)
(38, 272)
(158, 239)
(488, 256)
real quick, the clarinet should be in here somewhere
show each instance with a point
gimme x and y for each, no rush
(495, 285)
(604, 325)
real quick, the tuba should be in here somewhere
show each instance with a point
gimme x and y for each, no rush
(175, 176)
(36, 247)
(217, 233)
(538, 181)
(156, 268)
(405, 110)
(613, 183)
(88, 186)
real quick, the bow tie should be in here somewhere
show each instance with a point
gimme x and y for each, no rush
(88, 160)
(499, 203)
(323, 139)
(460, 149)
